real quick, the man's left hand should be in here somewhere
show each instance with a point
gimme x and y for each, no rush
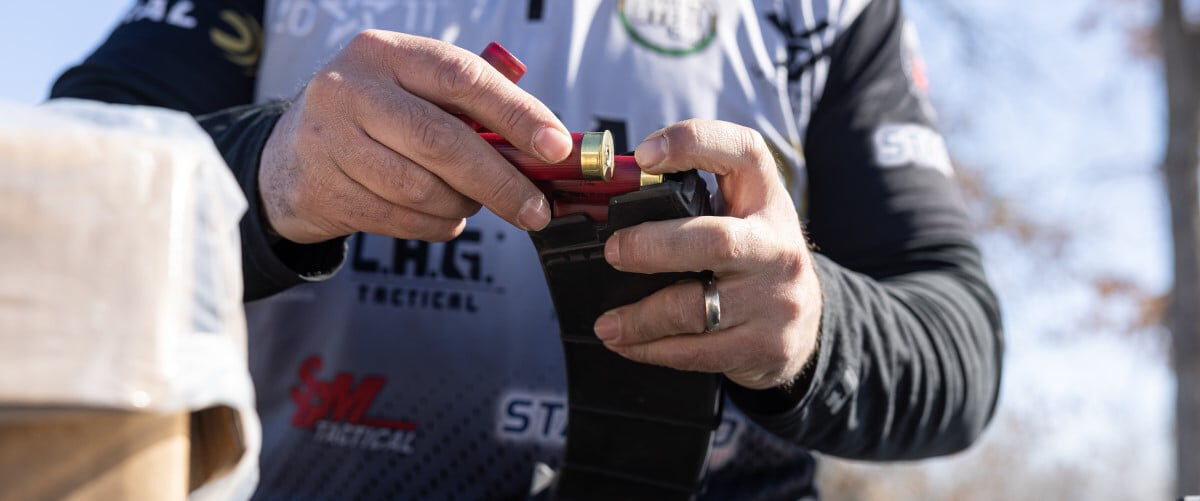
(769, 296)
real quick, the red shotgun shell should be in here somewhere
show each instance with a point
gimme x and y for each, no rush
(591, 158)
(504, 62)
(627, 177)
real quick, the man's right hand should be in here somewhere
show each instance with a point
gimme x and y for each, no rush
(371, 145)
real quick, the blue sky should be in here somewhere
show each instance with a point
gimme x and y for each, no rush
(42, 38)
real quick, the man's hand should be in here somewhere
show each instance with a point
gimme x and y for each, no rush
(371, 145)
(770, 298)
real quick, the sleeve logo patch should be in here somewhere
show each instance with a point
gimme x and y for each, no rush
(244, 45)
(902, 145)
(674, 28)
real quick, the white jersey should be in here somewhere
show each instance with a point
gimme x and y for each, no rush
(434, 369)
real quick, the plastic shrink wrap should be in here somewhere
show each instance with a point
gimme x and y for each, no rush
(121, 273)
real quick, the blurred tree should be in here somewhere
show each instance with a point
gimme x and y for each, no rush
(1181, 60)
(1082, 442)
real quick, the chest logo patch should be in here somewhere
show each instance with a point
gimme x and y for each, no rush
(335, 410)
(675, 28)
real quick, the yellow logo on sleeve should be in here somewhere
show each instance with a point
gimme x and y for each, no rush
(243, 45)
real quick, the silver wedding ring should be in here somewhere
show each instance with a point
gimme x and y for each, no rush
(712, 305)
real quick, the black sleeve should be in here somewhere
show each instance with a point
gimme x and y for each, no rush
(910, 346)
(200, 56)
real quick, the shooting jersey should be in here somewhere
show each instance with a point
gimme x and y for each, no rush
(445, 356)
(444, 359)
(403, 369)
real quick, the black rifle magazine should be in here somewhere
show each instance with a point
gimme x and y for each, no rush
(634, 431)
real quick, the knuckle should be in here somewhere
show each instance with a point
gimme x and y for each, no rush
(437, 137)
(685, 136)
(753, 140)
(634, 245)
(366, 40)
(505, 188)
(515, 114)
(795, 263)
(724, 242)
(464, 207)
(633, 323)
(403, 180)
(458, 75)
(776, 352)
(420, 196)
(754, 145)
(690, 128)
(418, 189)
(792, 307)
(445, 232)
(681, 307)
(325, 85)
(405, 222)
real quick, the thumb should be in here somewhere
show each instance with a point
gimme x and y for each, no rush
(738, 155)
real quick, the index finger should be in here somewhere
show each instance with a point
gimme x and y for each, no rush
(720, 244)
(447, 147)
(456, 79)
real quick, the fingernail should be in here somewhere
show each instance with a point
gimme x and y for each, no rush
(552, 144)
(651, 152)
(612, 251)
(608, 326)
(534, 214)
